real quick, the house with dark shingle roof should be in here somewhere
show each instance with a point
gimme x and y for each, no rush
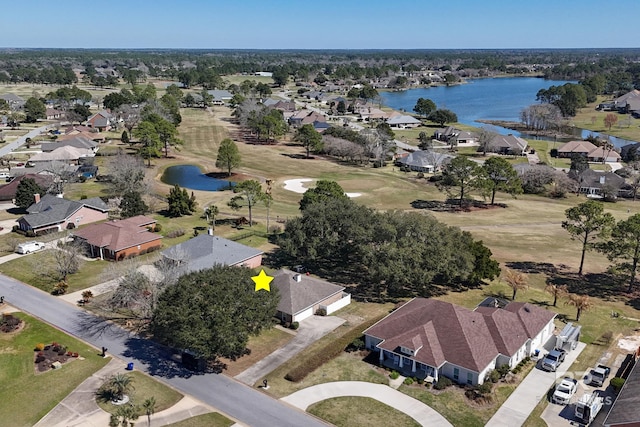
(206, 251)
(625, 410)
(102, 120)
(508, 144)
(50, 214)
(8, 191)
(432, 338)
(118, 240)
(301, 296)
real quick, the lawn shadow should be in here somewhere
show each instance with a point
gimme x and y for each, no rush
(156, 358)
(531, 267)
(601, 285)
(541, 303)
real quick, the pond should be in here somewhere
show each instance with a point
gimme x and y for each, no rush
(190, 176)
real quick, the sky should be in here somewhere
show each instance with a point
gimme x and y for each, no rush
(328, 24)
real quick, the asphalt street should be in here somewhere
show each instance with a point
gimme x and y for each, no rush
(247, 405)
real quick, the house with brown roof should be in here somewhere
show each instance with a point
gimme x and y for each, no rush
(8, 191)
(508, 144)
(576, 147)
(102, 120)
(428, 338)
(302, 296)
(118, 240)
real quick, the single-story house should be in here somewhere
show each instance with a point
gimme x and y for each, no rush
(625, 410)
(302, 296)
(15, 102)
(428, 161)
(8, 191)
(102, 120)
(432, 338)
(576, 147)
(601, 154)
(50, 214)
(403, 121)
(66, 153)
(53, 114)
(305, 116)
(118, 240)
(206, 250)
(508, 144)
(220, 96)
(446, 133)
(76, 141)
(593, 183)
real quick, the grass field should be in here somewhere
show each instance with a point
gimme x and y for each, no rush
(261, 346)
(145, 387)
(359, 412)
(212, 419)
(26, 397)
(626, 127)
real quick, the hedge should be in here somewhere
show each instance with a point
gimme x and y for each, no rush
(330, 351)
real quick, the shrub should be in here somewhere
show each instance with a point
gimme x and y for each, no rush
(83, 197)
(494, 376)
(420, 175)
(617, 383)
(40, 357)
(485, 388)
(60, 288)
(420, 380)
(442, 383)
(39, 346)
(9, 323)
(408, 381)
(321, 312)
(295, 325)
(503, 370)
(175, 233)
(516, 369)
(326, 353)
(158, 228)
(356, 345)
(30, 233)
(394, 375)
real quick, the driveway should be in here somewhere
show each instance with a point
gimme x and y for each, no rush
(515, 410)
(311, 330)
(245, 404)
(417, 410)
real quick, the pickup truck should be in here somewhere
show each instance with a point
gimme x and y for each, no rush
(599, 375)
(553, 359)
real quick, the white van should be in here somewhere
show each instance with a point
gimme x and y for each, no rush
(28, 247)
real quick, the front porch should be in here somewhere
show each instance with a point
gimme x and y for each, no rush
(407, 367)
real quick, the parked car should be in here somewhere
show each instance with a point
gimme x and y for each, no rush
(588, 406)
(564, 391)
(28, 247)
(4, 175)
(553, 359)
(599, 375)
(20, 164)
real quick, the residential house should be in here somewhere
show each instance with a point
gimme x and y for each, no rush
(206, 250)
(66, 154)
(302, 296)
(403, 121)
(284, 106)
(597, 184)
(465, 137)
(220, 97)
(102, 120)
(118, 240)
(625, 410)
(428, 161)
(603, 154)
(576, 147)
(15, 102)
(8, 191)
(77, 141)
(446, 133)
(627, 102)
(53, 114)
(428, 338)
(50, 214)
(508, 144)
(305, 116)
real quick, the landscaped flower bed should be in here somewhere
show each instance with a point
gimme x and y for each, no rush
(46, 356)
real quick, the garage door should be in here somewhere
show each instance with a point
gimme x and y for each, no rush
(303, 315)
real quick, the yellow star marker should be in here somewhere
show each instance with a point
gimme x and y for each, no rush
(262, 281)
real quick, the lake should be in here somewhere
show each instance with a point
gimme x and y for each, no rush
(484, 99)
(190, 176)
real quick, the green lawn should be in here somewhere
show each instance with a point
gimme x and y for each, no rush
(26, 397)
(212, 419)
(145, 387)
(359, 412)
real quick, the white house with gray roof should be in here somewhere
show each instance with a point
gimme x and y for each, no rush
(206, 251)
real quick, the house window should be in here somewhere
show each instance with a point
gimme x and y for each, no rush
(456, 374)
(469, 378)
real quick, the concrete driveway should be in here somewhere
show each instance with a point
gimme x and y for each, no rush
(311, 329)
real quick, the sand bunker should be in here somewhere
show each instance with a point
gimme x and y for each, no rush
(296, 185)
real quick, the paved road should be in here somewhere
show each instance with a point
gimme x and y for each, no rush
(417, 410)
(249, 406)
(7, 149)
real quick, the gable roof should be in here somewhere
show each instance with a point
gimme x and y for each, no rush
(12, 98)
(602, 153)
(424, 158)
(53, 210)
(449, 333)
(76, 141)
(205, 251)
(403, 120)
(118, 235)
(596, 179)
(220, 94)
(583, 147)
(8, 192)
(510, 142)
(298, 296)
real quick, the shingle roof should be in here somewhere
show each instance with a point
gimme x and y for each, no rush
(8, 192)
(403, 119)
(205, 251)
(220, 94)
(511, 142)
(65, 153)
(626, 408)
(454, 334)
(76, 141)
(118, 235)
(52, 210)
(584, 147)
(298, 296)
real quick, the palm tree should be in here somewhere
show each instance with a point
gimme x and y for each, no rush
(516, 281)
(120, 384)
(556, 291)
(210, 213)
(580, 302)
(149, 407)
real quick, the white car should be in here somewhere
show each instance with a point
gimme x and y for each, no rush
(28, 247)
(564, 391)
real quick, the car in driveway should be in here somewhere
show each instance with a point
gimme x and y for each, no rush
(553, 359)
(28, 247)
(564, 391)
(599, 375)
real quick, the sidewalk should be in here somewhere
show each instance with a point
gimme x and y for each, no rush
(79, 408)
(516, 409)
(417, 410)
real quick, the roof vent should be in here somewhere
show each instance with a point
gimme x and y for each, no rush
(297, 277)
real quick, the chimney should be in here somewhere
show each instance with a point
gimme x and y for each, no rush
(602, 179)
(297, 277)
(36, 198)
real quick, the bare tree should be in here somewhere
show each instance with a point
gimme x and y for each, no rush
(517, 281)
(556, 291)
(67, 259)
(485, 139)
(127, 174)
(61, 174)
(130, 116)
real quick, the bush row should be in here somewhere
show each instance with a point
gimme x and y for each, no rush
(328, 352)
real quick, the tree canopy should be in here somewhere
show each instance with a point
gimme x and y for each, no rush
(310, 139)
(25, 192)
(323, 191)
(623, 247)
(34, 110)
(228, 156)
(443, 116)
(459, 177)
(248, 192)
(500, 176)
(180, 203)
(213, 312)
(424, 107)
